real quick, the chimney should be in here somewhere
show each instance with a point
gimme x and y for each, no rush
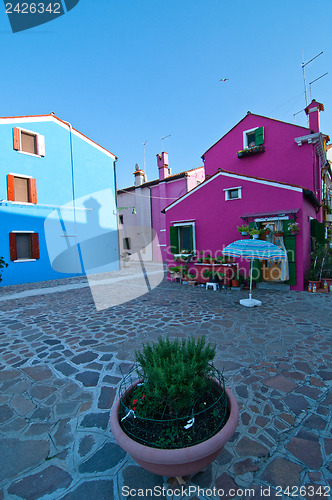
(140, 176)
(313, 111)
(162, 161)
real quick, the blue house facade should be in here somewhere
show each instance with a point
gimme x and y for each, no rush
(57, 201)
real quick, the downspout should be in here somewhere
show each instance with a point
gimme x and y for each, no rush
(116, 208)
(152, 255)
(73, 194)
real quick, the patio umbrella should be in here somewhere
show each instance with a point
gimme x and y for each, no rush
(254, 249)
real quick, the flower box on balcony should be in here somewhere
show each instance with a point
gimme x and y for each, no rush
(250, 151)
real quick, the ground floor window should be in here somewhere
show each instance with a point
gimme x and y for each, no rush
(182, 237)
(126, 244)
(23, 246)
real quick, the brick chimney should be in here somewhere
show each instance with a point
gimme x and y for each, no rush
(313, 111)
(140, 176)
(162, 161)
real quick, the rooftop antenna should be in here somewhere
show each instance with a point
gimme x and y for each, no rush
(303, 66)
(144, 144)
(313, 81)
(163, 138)
(297, 114)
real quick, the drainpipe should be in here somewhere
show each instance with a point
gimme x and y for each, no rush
(151, 222)
(73, 192)
(116, 207)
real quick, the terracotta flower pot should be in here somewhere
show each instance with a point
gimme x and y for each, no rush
(235, 283)
(179, 462)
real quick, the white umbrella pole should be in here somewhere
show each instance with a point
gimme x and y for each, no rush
(250, 288)
(250, 302)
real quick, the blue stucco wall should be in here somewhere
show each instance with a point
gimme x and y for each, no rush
(71, 242)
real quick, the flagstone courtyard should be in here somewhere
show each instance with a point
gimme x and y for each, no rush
(62, 359)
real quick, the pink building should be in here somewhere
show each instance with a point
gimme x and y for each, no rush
(142, 225)
(263, 173)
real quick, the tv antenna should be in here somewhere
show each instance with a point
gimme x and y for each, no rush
(313, 81)
(144, 144)
(303, 66)
(163, 138)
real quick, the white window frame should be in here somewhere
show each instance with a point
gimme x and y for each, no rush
(245, 137)
(227, 190)
(192, 224)
(38, 138)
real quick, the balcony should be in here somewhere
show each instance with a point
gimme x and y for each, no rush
(250, 151)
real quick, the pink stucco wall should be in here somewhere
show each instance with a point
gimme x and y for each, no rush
(162, 195)
(283, 160)
(216, 219)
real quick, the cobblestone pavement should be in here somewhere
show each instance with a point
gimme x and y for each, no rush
(61, 361)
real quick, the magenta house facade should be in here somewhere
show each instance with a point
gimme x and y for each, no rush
(263, 173)
(142, 225)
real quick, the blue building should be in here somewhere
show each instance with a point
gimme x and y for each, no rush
(57, 201)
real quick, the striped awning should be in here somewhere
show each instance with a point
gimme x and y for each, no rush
(254, 249)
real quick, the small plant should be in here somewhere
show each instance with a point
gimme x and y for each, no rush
(175, 269)
(243, 229)
(293, 226)
(191, 276)
(254, 232)
(3, 264)
(175, 372)
(207, 273)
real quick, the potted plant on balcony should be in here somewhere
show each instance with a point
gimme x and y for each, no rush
(255, 233)
(175, 418)
(244, 230)
(293, 227)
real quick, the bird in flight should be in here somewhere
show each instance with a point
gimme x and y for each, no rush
(223, 79)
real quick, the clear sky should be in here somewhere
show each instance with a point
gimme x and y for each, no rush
(125, 72)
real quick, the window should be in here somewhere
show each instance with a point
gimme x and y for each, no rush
(182, 237)
(21, 188)
(28, 142)
(233, 193)
(121, 219)
(253, 137)
(126, 244)
(23, 246)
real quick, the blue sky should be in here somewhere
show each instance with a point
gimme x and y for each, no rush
(126, 72)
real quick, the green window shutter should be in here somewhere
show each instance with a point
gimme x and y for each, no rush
(259, 136)
(256, 264)
(290, 244)
(174, 237)
(257, 270)
(317, 230)
(191, 238)
(292, 274)
(285, 226)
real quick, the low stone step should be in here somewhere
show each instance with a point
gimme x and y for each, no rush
(273, 285)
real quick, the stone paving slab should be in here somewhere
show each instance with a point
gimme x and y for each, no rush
(61, 361)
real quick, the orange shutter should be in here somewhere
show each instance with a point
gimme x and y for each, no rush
(12, 246)
(10, 187)
(17, 138)
(34, 239)
(32, 190)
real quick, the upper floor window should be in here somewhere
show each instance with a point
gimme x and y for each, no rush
(233, 193)
(21, 188)
(28, 142)
(121, 219)
(253, 137)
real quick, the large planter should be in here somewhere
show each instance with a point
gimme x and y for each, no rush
(179, 462)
